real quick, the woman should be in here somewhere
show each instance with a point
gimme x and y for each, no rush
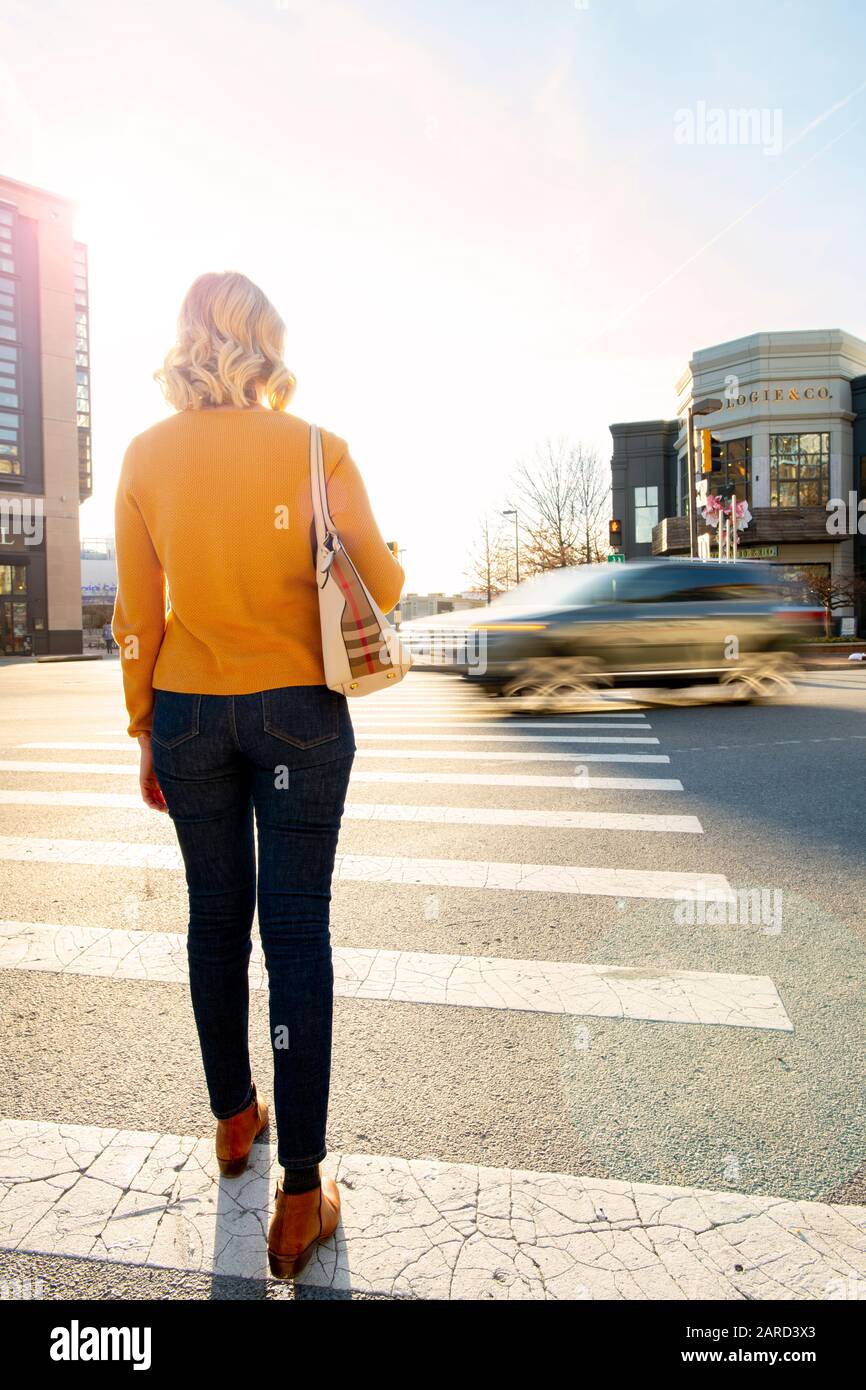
(226, 697)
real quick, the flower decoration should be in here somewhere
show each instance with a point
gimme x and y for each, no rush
(717, 507)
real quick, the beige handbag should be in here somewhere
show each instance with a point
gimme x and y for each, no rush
(361, 650)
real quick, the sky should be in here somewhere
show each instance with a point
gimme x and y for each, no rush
(484, 224)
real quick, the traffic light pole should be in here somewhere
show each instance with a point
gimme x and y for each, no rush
(693, 518)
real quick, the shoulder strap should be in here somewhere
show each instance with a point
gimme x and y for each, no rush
(318, 487)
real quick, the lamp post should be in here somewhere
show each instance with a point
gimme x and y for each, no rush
(398, 612)
(516, 544)
(708, 406)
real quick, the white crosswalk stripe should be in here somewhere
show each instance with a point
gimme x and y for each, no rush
(464, 755)
(632, 821)
(449, 754)
(371, 868)
(416, 1227)
(441, 779)
(585, 782)
(418, 722)
(419, 977)
(452, 737)
(413, 722)
(415, 737)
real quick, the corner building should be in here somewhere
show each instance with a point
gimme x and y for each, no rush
(793, 434)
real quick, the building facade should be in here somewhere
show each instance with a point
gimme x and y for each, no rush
(792, 441)
(428, 605)
(45, 452)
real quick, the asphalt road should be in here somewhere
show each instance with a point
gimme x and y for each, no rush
(780, 797)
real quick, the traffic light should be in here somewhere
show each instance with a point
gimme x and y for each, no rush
(615, 535)
(712, 453)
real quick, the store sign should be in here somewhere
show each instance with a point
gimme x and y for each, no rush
(758, 552)
(778, 395)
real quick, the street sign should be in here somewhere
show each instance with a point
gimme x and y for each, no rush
(616, 557)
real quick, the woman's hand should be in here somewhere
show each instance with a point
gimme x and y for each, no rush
(151, 793)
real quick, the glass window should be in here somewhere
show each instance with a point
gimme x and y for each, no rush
(646, 514)
(683, 499)
(798, 580)
(10, 457)
(799, 470)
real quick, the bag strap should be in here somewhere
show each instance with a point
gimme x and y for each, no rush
(325, 535)
(318, 487)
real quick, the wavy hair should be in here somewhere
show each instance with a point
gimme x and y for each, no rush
(229, 348)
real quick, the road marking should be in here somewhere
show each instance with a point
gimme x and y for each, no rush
(418, 1228)
(84, 746)
(636, 822)
(498, 722)
(374, 868)
(420, 977)
(544, 878)
(577, 782)
(451, 736)
(441, 754)
(470, 755)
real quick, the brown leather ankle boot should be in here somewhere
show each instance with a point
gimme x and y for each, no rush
(235, 1137)
(299, 1222)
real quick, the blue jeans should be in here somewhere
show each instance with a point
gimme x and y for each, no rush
(284, 756)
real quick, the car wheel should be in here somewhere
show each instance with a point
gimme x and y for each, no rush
(763, 676)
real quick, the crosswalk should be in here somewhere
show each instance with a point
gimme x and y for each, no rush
(416, 1227)
(416, 1224)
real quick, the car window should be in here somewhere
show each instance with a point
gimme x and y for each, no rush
(660, 583)
(728, 593)
(562, 588)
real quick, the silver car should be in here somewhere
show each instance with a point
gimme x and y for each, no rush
(656, 623)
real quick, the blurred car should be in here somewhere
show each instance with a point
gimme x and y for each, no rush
(643, 623)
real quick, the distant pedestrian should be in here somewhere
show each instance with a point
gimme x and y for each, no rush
(227, 697)
(107, 638)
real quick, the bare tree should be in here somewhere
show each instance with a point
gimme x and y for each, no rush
(561, 498)
(832, 591)
(489, 570)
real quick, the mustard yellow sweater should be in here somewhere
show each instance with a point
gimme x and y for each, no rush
(216, 589)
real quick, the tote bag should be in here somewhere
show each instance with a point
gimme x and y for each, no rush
(362, 651)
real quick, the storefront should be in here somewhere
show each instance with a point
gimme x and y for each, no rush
(783, 437)
(16, 638)
(22, 594)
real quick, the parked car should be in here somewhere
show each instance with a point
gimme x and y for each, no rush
(645, 623)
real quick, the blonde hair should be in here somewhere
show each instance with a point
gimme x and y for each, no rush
(229, 348)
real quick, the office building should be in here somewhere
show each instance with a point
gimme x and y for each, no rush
(45, 451)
